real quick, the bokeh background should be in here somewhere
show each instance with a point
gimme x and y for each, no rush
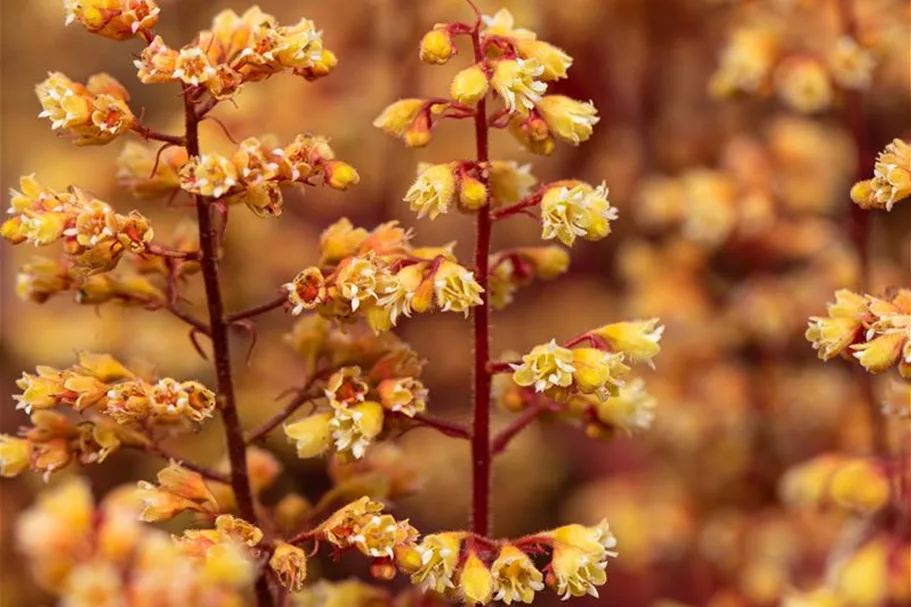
(731, 229)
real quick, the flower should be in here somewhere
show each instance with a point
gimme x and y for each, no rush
(357, 280)
(115, 19)
(503, 24)
(555, 60)
(515, 577)
(406, 119)
(746, 61)
(475, 581)
(515, 81)
(572, 209)
(510, 181)
(433, 191)
(851, 65)
(346, 386)
(290, 565)
(355, 427)
(209, 175)
(891, 178)
(306, 291)
(630, 410)
(15, 454)
(469, 85)
(312, 435)
(580, 558)
(546, 366)
(833, 334)
(570, 120)
(439, 555)
(405, 395)
(455, 288)
(597, 372)
(638, 339)
(803, 84)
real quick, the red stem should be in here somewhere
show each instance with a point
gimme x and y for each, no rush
(300, 400)
(446, 427)
(206, 473)
(503, 438)
(218, 332)
(257, 310)
(480, 440)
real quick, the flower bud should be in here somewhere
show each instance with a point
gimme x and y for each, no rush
(472, 193)
(570, 120)
(437, 46)
(398, 117)
(469, 86)
(340, 175)
(475, 581)
(555, 61)
(14, 455)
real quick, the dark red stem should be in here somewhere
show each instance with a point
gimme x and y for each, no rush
(480, 440)
(527, 417)
(257, 310)
(218, 332)
(446, 427)
(299, 401)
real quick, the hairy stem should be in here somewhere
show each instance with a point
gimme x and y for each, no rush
(218, 332)
(480, 440)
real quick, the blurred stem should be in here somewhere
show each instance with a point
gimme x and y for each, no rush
(480, 440)
(218, 331)
(858, 222)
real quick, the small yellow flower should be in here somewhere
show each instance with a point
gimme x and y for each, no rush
(312, 435)
(433, 192)
(597, 372)
(229, 564)
(546, 366)
(638, 339)
(192, 66)
(475, 581)
(94, 582)
(516, 82)
(570, 120)
(439, 555)
(399, 118)
(851, 64)
(436, 46)
(515, 577)
(863, 577)
(115, 19)
(573, 209)
(340, 175)
(340, 240)
(357, 280)
(470, 85)
(210, 175)
(630, 410)
(580, 558)
(891, 179)
(503, 24)
(455, 288)
(405, 395)
(879, 354)
(290, 565)
(346, 386)
(378, 535)
(398, 294)
(14, 455)
(830, 336)
(510, 181)
(40, 391)
(746, 61)
(803, 84)
(306, 291)
(555, 60)
(354, 428)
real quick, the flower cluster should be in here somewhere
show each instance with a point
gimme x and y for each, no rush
(379, 276)
(101, 383)
(98, 555)
(115, 19)
(891, 181)
(754, 61)
(853, 483)
(94, 236)
(458, 566)
(517, 68)
(238, 49)
(874, 331)
(353, 421)
(559, 372)
(91, 114)
(253, 173)
(42, 278)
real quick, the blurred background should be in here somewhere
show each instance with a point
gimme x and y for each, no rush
(731, 229)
